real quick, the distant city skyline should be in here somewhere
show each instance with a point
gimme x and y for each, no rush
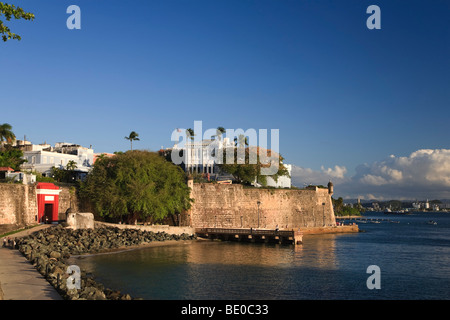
(367, 109)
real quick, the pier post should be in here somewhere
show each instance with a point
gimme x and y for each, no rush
(298, 237)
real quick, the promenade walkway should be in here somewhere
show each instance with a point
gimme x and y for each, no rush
(19, 280)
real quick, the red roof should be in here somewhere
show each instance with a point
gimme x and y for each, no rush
(46, 185)
(6, 169)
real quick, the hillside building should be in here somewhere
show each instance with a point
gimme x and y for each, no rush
(43, 157)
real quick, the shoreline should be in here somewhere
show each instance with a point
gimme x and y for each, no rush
(51, 248)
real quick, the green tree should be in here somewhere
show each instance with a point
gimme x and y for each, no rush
(132, 137)
(190, 134)
(136, 185)
(71, 165)
(70, 171)
(338, 205)
(241, 141)
(9, 11)
(220, 131)
(58, 174)
(246, 172)
(6, 134)
(11, 157)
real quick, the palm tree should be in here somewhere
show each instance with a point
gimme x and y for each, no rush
(71, 165)
(241, 140)
(6, 133)
(132, 137)
(190, 133)
(220, 131)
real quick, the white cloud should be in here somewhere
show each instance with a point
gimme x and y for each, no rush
(424, 173)
(337, 172)
(370, 179)
(303, 176)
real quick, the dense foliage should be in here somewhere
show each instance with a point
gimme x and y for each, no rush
(246, 171)
(342, 210)
(136, 185)
(10, 157)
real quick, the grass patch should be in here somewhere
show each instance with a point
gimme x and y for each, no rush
(16, 231)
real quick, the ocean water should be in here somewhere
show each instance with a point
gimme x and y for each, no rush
(413, 259)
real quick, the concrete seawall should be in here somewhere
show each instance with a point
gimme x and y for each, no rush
(330, 229)
(153, 228)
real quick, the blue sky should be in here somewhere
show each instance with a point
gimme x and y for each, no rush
(340, 94)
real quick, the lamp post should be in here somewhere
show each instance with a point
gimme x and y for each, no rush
(258, 203)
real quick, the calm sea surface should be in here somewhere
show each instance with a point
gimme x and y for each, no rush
(413, 257)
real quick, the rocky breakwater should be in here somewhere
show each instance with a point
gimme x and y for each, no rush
(49, 250)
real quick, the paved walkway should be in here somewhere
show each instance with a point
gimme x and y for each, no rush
(19, 280)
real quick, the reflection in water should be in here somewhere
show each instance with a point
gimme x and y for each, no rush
(250, 271)
(321, 253)
(211, 270)
(412, 255)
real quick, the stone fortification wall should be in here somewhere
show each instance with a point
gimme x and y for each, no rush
(215, 205)
(18, 205)
(234, 206)
(67, 199)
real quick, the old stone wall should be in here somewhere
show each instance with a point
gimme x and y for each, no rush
(67, 199)
(18, 205)
(235, 206)
(215, 205)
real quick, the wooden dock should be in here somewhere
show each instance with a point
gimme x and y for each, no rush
(251, 235)
(361, 218)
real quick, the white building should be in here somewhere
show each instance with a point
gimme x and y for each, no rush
(43, 157)
(22, 177)
(201, 157)
(283, 181)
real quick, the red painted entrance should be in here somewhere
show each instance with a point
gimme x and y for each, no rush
(48, 202)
